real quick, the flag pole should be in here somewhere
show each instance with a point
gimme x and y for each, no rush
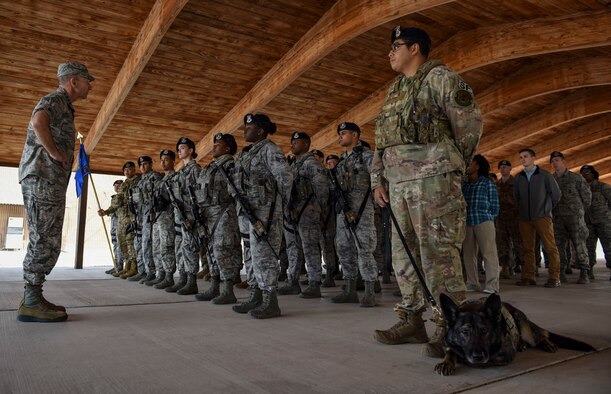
(97, 199)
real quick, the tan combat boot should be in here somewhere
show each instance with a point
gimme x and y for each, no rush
(33, 309)
(409, 329)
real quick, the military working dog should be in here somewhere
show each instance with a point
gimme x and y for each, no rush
(488, 332)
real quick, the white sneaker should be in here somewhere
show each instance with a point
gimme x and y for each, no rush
(490, 291)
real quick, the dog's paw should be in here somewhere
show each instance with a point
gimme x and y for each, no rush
(445, 368)
(548, 346)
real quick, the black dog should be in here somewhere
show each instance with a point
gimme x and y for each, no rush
(487, 332)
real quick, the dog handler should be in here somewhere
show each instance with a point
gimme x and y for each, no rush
(426, 134)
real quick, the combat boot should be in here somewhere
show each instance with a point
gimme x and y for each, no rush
(190, 287)
(242, 285)
(348, 294)
(255, 299)
(312, 291)
(158, 279)
(505, 274)
(110, 271)
(148, 278)
(168, 281)
(138, 277)
(434, 347)
(328, 281)
(121, 271)
(213, 290)
(269, 307)
(369, 298)
(377, 287)
(291, 288)
(34, 309)
(409, 329)
(584, 279)
(226, 296)
(133, 270)
(182, 281)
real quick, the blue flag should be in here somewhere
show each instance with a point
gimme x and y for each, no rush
(82, 170)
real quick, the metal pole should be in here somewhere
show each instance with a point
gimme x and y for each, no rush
(80, 226)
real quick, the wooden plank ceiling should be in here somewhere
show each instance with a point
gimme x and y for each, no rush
(167, 68)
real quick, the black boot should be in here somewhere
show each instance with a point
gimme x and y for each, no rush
(182, 281)
(269, 307)
(190, 287)
(158, 279)
(226, 296)
(213, 290)
(256, 297)
(148, 278)
(348, 295)
(312, 291)
(168, 281)
(291, 288)
(369, 298)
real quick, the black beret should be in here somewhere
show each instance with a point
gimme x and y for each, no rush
(348, 126)
(300, 135)
(412, 34)
(332, 157)
(188, 142)
(318, 153)
(229, 140)
(256, 118)
(144, 159)
(504, 163)
(129, 164)
(167, 152)
(117, 182)
(556, 154)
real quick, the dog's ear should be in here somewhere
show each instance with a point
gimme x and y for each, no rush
(493, 306)
(449, 308)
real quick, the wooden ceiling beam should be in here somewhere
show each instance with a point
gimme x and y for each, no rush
(544, 78)
(344, 21)
(602, 164)
(483, 46)
(157, 23)
(584, 103)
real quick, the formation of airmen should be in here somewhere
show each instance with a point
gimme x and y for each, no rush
(163, 223)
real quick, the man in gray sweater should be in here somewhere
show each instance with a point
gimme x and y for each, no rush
(536, 193)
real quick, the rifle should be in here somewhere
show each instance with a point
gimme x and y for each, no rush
(132, 208)
(260, 231)
(350, 218)
(151, 208)
(202, 231)
(186, 223)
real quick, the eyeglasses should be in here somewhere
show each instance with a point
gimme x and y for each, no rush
(396, 45)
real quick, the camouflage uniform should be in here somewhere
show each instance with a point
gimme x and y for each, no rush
(569, 220)
(422, 153)
(136, 201)
(163, 228)
(219, 212)
(507, 230)
(186, 243)
(120, 206)
(114, 230)
(146, 216)
(353, 176)
(308, 204)
(264, 179)
(598, 220)
(43, 185)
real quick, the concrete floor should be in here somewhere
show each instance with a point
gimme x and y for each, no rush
(122, 337)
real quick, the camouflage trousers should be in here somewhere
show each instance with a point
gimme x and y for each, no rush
(148, 259)
(125, 235)
(352, 257)
(304, 244)
(572, 229)
(602, 232)
(186, 247)
(431, 213)
(265, 265)
(222, 225)
(116, 248)
(164, 243)
(245, 235)
(138, 248)
(45, 206)
(327, 243)
(508, 241)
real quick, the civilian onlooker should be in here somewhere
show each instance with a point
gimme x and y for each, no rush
(536, 193)
(569, 221)
(482, 208)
